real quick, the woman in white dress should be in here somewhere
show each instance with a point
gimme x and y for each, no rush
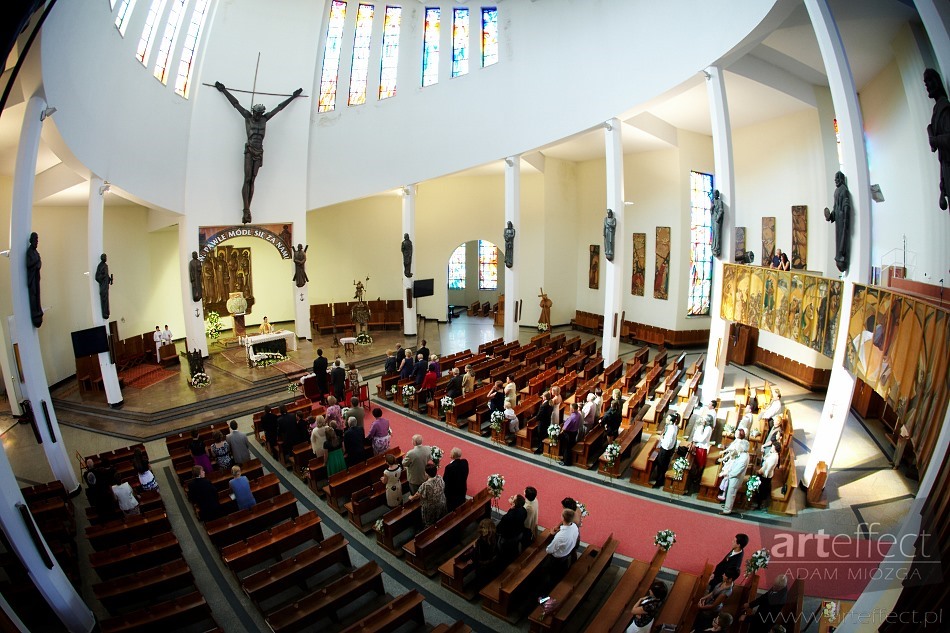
(318, 436)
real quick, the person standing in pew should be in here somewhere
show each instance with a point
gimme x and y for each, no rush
(269, 426)
(318, 436)
(424, 351)
(415, 461)
(199, 452)
(338, 380)
(454, 388)
(333, 445)
(511, 530)
(559, 550)
(531, 516)
(511, 390)
(732, 560)
(203, 494)
(545, 409)
(356, 411)
(468, 381)
(763, 496)
(379, 432)
(391, 478)
(431, 495)
(486, 552)
(496, 397)
(287, 429)
(763, 612)
(391, 366)
(611, 421)
(241, 489)
(419, 370)
(646, 608)
(667, 445)
(406, 365)
(456, 480)
(569, 436)
(588, 415)
(353, 443)
(320, 365)
(240, 450)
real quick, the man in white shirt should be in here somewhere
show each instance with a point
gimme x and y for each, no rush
(733, 472)
(157, 338)
(763, 496)
(588, 415)
(667, 445)
(746, 420)
(166, 336)
(775, 407)
(560, 548)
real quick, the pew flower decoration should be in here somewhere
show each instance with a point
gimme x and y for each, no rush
(293, 387)
(680, 464)
(664, 539)
(447, 403)
(612, 454)
(752, 487)
(393, 390)
(213, 326)
(829, 610)
(496, 484)
(755, 433)
(759, 560)
(436, 453)
(378, 526)
(363, 338)
(729, 429)
(408, 391)
(582, 510)
(267, 359)
(200, 380)
(543, 327)
(554, 432)
(497, 420)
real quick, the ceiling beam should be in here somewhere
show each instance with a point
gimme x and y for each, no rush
(57, 178)
(768, 74)
(655, 127)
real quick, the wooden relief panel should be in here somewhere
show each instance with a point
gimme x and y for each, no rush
(799, 237)
(661, 279)
(227, 269)
(740, 243)
(768, 240)
(593, 270)
(639, 274)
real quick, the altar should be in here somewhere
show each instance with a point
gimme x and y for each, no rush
(279, 341)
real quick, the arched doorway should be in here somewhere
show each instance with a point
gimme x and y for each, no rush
(475, 274)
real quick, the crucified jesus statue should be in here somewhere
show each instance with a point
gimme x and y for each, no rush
(255, 122)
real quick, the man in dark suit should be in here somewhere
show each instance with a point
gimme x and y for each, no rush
(269, 426)
(454, 388)
(203, 494)
(419, 371)
(353, 443)
(338, 380)
(424, 351)
(287, 428)
(510, 529)
(732, 560)
(456, 480)
(320, 369)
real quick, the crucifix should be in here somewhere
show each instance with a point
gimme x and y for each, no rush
(255, 123)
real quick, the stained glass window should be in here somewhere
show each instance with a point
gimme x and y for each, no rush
(459, 42)
(390, 53)
(190, 47)
(487, 266)
(489, 36)
(457, 269)
(149, 30)
(331, 56)
(122, 18)
(359, 69)
(175, 18)
(700, 243)
(430, 47)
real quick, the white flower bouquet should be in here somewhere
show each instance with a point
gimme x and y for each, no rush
(496, 484)
(680, 464)
(760, 560)
(729, 429)
(755, 433)
(267, 359)
(582, 510)
(612, 453)
(447, 403)
(408, 391)
(393, 390)
(554, 432)
(363, 338)
(378, 526)
(213, 325)
(293, 387)
(752, 486)
(543, 327)
(436, 455)
(497, 421)
(664, 539)
(200, 380)
(829, 609)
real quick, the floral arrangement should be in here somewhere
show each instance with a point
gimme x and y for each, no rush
(363, 338)
(754, 433)
(612, 453)
(408, 391)
(392, 390)
(436, 453)
(752, 486)
(378, 526)
(760, 560)
(496, 484)
(267, 359)
(213, 326)
(554, 432)
(582, 510)
(664, 539)
(293, 387)
(200, 380)
(829, 609)
(729, 429)
(543, 327)
(447, 403)
(680, 464)
(497, 421)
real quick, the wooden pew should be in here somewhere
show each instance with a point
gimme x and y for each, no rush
(614, 615)
(454, 571)
(127, 559)
(588, 449)
(406, 608)
(572, 344)
(367, 500)
(263, 488)
(456, 627)
(465, 406)
(792, 610)
(324, 602)
(245, 523)
(219, 478)
(520, 353)
(642, 464)
(343, 484)
(525, 410)
(679, 608)
(145, 585)
(499, 595)
(278, 577)
(271, 543)
(576, 586)
(164, 616)
(446, 533)
(128, 529)
(406, 517)
(628, 439)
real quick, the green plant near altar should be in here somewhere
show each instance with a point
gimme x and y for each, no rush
(267, 359)
(213, 325)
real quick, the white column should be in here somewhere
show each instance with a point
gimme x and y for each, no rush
(855, 168)
(51, 582)
(936, 16)
(110, 378)
(27, 337)
(513, 215)
(725, 182)
(409, 227)
(193, 311)
(614, 270)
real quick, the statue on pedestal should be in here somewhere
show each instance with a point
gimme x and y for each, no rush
(194, 274)
(717, 215)
(33, 264)
(300, 263)
(610, 230)
(104, 279)
(545, 310)
(841, 216)
(406, 255)
(509, 245)
(938, 131)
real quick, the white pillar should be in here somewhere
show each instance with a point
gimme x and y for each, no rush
(409, 227)
(51, 582)
(193, 311)
(855, 168)
(110, 378)
(936, 16)
(725, 182)
(513, 215)
(614, 270)
(27, 337)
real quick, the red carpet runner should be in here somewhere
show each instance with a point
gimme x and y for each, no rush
(832, 566)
